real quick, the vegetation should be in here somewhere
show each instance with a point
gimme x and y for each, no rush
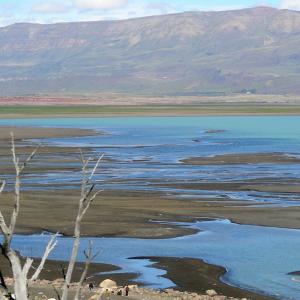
(196, 53)
(148, 110)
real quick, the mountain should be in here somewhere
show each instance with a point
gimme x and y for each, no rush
(253, 50)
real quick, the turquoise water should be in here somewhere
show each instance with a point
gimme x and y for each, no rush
(145, 150)
(256, 258)
(258, 126)
(242, 134)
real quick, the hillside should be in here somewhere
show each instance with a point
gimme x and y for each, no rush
(193, 53)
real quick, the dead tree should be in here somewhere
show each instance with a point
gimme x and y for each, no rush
(19, 270)
(87, 197)
(89, 258)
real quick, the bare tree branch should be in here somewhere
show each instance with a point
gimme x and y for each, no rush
(2, 280)
(84, 178)
(19, 170)
(63, 271)
(29, 158)
(84, 203)
(50, 246)
(20, 273)
(16, 209)
(89, 257)
(95, 168)
(2, 186)
(20, 281)
(87, 194)
(56, 292)
(90, 201)
(27, 266)
(4, 228)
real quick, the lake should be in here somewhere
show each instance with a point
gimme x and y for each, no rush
(256, 258)
(145, 149)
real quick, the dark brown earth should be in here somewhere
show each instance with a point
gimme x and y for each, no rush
(53, 270)
(202, 276)
(194, 275)
(131, 214)
(41, 133)
(238, 158)
(276, 185)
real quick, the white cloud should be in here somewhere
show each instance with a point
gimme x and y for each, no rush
(99, 4)
(290, 4)
(50, 8)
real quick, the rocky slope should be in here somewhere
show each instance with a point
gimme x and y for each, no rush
(250, 51)
(108, 290)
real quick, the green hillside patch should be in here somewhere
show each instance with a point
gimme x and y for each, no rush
(19, 111)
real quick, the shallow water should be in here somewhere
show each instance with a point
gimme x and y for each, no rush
(257, 258)
(149, 148)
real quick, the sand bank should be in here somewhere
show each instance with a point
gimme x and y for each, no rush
(201, 277)
(42, 132)
(131, 214)
(242, 158)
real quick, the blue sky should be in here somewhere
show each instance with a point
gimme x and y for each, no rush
(50, 11)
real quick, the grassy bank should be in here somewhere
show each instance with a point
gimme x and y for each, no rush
(151, 110)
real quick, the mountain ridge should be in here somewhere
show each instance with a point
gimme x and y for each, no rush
(254, 50)
(255, 8)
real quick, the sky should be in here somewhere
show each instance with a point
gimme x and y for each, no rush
(52, 11)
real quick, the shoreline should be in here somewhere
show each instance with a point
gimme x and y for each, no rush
(202, 276)
(136, 217)
(153, 115)
(139, 216)
(135, 213)
(52, 276)
(242, 158)
(150, 109)
(29, 132)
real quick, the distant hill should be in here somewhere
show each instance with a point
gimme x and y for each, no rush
(253, 50)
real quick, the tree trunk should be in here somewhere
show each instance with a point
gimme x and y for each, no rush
(20, 280)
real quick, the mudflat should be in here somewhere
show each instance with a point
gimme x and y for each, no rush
(53, 272)
(132, 214)
(21, 133)
(242, 158)
(201, 277)
(275, 185)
